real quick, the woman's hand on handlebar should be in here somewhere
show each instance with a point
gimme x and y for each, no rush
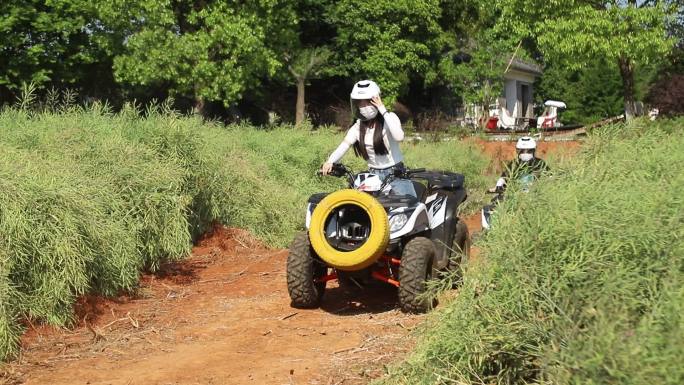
(326, 168)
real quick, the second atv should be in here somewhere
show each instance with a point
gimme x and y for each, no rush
(365, 233)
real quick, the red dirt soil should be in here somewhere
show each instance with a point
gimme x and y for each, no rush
(223, 316)
(500, 152)
(220, 317)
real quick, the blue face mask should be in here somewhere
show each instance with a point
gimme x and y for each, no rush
(368, 112)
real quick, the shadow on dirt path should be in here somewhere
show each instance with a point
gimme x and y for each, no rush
(375, 299)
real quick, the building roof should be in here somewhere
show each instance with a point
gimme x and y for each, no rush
(526, 66)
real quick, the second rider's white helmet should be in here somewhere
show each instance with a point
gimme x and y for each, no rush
(526, 147)
(364, 90)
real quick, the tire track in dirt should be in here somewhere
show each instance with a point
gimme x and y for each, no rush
(220, 317)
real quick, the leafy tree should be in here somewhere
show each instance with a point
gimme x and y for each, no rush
(315, 30)
(475, 57)
(591, 93)
(307, 64)
(387, 40)
(667, 92)
(475, 69)
(212, 50)
(47, 42)
(573, 32)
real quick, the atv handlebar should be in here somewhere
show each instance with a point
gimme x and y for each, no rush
(497, 190)
(406, 173)
(338, 170)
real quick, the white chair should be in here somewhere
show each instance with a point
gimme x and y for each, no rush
(506, 119)
(549, 118)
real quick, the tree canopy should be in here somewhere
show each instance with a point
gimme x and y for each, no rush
(47, 41)
(214, 50)
(223, 51)
(387, 40)
(575, 32)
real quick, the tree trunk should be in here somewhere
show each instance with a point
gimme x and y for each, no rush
(200, 105)
(627, 73)
(484, 115)
(299, 112)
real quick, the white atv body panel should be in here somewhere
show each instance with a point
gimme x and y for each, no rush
(413, 221)
(485, 224)
(369, 182)
(437, 212)
(430, 198)
(309, 210)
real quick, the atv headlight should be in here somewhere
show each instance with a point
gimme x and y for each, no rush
(397, 221)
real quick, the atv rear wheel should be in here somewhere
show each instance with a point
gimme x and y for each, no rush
(303, 268)
(460, 248)
(414, 272)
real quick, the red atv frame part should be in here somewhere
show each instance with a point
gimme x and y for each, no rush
(382, 274)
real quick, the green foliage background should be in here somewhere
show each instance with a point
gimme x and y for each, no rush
(591, 93)
(228, 55)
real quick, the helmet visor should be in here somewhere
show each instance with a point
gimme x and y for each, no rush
(356, 104)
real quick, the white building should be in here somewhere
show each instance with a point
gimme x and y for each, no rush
(519, 88)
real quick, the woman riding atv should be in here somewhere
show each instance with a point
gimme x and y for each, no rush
(375, 135)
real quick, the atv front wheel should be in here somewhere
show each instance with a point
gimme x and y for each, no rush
(303, 270)
(414, 272)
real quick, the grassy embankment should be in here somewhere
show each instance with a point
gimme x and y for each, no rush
(580, 282)
(89, 199)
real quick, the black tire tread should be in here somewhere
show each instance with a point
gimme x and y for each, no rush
(304, 292)
(461, 246)
(415, 268)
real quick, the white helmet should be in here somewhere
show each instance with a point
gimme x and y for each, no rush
(364, 90)
(526, 148)
(526, 143)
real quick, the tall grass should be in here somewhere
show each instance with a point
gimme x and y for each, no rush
(273, 173)
(89, 198)
(582, 279)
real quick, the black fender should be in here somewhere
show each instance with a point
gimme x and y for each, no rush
(443, 235)
(311, 204)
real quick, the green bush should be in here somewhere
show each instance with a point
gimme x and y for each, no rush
(581, 280)
(86, 204)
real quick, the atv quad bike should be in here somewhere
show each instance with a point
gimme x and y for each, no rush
(364, 233)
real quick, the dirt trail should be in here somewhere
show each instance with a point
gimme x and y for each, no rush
(220, 317)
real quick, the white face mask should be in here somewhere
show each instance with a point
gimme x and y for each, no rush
(368, 112)
(526, 157)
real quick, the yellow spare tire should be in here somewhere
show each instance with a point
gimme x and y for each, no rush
(368, 252)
